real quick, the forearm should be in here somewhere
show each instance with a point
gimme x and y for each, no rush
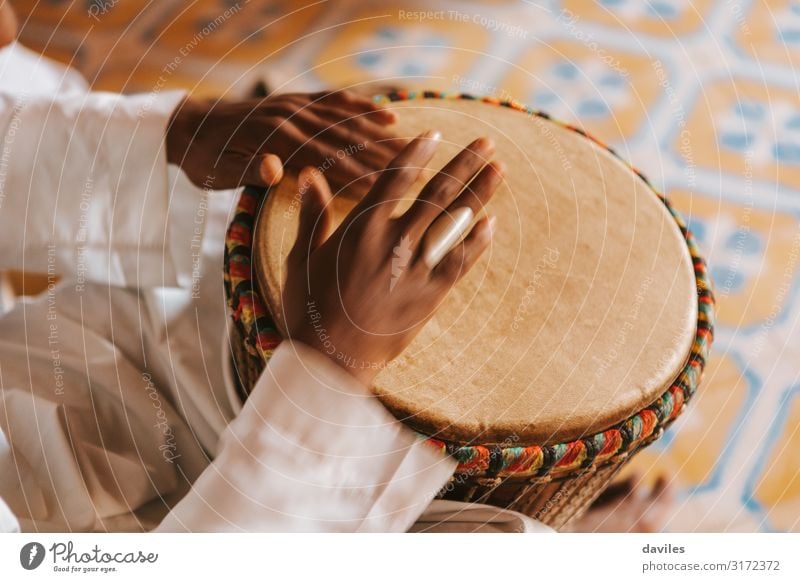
(84, 185)
(313, 450)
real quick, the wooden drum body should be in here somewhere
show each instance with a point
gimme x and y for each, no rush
(574, 342)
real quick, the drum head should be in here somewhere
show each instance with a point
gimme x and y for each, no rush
(582, 312)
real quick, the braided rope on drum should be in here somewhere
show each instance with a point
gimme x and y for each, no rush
(535, 468)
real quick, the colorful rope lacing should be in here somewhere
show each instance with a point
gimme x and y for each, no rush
(261, 337)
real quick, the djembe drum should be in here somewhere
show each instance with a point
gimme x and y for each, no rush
(575, 341)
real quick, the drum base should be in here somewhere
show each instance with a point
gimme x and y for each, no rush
(554, 501)
(246, 367)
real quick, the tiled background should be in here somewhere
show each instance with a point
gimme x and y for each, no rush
(702, 96)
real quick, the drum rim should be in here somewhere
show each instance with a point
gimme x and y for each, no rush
(252, 318)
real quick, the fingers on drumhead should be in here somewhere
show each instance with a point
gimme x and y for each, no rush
(415, 155)
(400, 175)
(482, 188)
(445, 186)
(465, 254)
(474, 197)
(314, 224)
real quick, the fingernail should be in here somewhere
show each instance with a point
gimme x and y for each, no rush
(500, 167)
(493, 224)
(485, 143)
(432, 134)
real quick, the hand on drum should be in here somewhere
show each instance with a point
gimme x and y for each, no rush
(360, 294)
(223, 145)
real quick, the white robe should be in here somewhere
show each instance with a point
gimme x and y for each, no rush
(116, 406)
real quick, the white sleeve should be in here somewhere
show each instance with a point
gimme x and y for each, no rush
(312, 450)
(8, 523)
(84, 187)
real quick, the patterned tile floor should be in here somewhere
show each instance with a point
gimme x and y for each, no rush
(702, 96)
